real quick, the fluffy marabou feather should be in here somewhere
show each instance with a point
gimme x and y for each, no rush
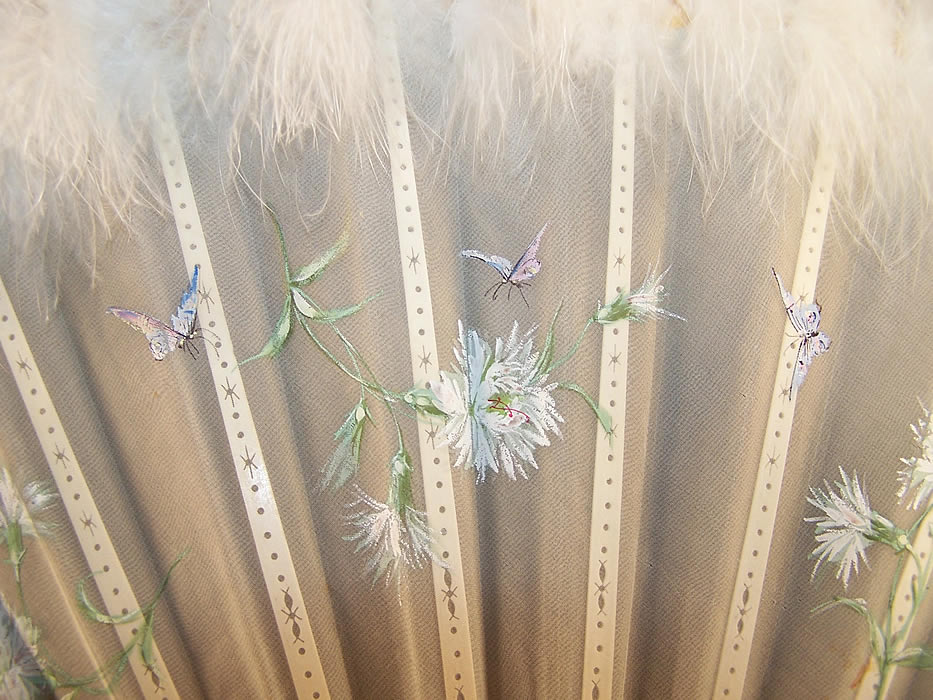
(765, 78)
(79, 81)
(774, 78)
(287, 68)
(525, 62)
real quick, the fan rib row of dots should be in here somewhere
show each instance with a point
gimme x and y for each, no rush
(403, 166)
(77, 496)
(235, 415)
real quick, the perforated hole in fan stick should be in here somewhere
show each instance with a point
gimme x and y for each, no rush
(742, 614)
(89, 526)
(449, 592)
(248, 465)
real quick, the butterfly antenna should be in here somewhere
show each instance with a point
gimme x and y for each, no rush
(495, 284)
(523, 296)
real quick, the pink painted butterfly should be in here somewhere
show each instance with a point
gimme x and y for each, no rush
(516, 276)
(162, 338)
(805, 318)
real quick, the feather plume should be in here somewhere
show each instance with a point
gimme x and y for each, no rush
(521, 63)
(287, 68)
(774, 78)
(79, 84)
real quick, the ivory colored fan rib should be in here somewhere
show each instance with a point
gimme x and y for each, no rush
(455, 640)
(268, 533)
(753, 563)
(112, 584)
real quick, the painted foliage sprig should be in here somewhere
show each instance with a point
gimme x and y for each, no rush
(848, 526)
(392, 533)
(497, 406)
(22, 516)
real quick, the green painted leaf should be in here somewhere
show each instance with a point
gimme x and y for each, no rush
(915, 657)
(423, 401)
(279, 334)
(543, 365)
(14, 546)
(345, 460)
(313, 270)
(146, 643)
(876, 635)
(95, 615)
(303, 303)
(164, 583)
(601, 414)
(331, 315)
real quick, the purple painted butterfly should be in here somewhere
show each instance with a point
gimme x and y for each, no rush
(518, 275)
(162, 338)
(805, 318)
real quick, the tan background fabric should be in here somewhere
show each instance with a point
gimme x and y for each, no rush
(151, 441)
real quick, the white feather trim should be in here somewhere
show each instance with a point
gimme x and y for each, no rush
(769, 77)
(775, 77)
(287, 68)
(79, 80)
(523, 61)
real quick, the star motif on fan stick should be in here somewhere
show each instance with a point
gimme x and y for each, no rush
(620, 261)
(785, 391)
(23, 365)
(60, 455)
(772, 460)
(432, 433)
(614, 358)
(248, 462)
(230, 392)
(206, 298)
(425, 358)
(413, 260)
(88, 522)
(612, 433)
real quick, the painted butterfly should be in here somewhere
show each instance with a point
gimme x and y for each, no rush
(805, 318)
(516, 276)
(162, 338)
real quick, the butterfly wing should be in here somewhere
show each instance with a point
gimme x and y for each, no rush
(791, 307)
(810, 348)
(185, 316)
(162, 339)
(501, 265)
(528, 265)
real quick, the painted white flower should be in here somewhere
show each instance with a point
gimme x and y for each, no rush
(394, 534)
(918, 473)
(26, 508)
(21, 676)
(846, 528)
(639, 305)
(498, 408)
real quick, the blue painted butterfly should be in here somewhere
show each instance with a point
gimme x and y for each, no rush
(805, 318)
(162, 338)
(516, 276)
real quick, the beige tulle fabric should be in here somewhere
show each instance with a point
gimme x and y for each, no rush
(511, 125)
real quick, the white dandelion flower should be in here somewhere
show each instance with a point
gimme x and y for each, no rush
(20, 673)
(393, 534)
(848, 526)
(638, 305)
(918, 472)
(27, 508)
(498, 408)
